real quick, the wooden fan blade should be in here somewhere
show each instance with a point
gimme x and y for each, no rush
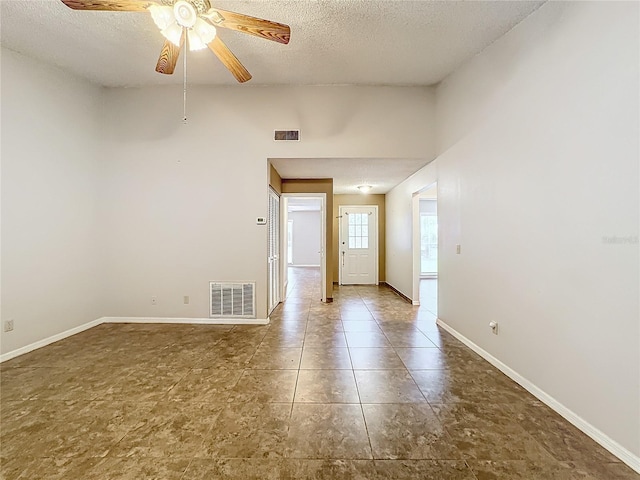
(229, 60)
(169, 57)
(276, 32)
(110, 5)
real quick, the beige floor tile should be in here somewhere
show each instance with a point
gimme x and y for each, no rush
(564, 441)
(325, 358)
(248, 430)
(271, 358)
(171, 430)
(326, 386)
(413, 338)
(328, 431)
(360, 326)
(52, 469)
(423, 470)
(410, 431)
(387, 386)
(137, 468)
(146, 384)
(422, 358)
(205, 385)
(282, 401)
(280, 469)
(265, 386)
(323, 340)
(525, 470)
(511, 443)
(366, 339)
(375, 359)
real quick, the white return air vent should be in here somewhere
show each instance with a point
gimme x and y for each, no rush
(286, 135)
(233, 300)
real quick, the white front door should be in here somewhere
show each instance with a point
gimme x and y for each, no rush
(274, 250)
(358, 253)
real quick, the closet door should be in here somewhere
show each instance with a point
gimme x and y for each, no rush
(274, 251)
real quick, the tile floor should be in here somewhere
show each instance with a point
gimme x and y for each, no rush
(364, 388)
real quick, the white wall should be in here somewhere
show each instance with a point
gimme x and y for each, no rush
(307, 231)
(107, 195)
(402, 237)
(538, 165)
(51, 275)
(181, 200)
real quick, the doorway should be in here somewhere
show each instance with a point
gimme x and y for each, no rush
(425, 248)
(358, 242)
(304, 237)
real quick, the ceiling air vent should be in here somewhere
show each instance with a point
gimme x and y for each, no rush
(287, 135)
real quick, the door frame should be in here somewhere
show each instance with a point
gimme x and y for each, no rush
(284, 225)
(415, 213)
(375, 239)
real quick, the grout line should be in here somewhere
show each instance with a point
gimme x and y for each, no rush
(295, 390)
(355, 380)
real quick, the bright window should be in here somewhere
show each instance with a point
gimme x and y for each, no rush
(358, 230)
(428, 244)
(290, 242)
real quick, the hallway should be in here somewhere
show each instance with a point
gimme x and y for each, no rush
(367, 387)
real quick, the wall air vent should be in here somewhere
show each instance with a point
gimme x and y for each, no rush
(287, 135)
(232, 300)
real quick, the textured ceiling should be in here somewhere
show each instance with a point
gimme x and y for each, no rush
(381, 173)
(392, 42)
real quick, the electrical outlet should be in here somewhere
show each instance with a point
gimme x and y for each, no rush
(8, 325)
(186, 299)
(154, 300)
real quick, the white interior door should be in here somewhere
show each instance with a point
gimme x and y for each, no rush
(274, 251)
(358, 245)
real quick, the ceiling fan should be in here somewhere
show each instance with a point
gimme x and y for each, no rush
(195, 20)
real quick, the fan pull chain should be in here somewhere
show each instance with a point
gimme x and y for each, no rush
(184, 98)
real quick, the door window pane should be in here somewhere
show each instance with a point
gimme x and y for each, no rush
(358, 230)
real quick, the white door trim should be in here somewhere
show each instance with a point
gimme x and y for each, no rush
(375, 239)
(415, 241)
(323, 234)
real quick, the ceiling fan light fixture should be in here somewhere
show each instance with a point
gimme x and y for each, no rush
(364, 188)
(173, 33)
(195, 41)
(185, 13)
(201, 35)
(162, 16)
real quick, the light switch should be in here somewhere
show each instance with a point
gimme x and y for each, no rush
(458, 249)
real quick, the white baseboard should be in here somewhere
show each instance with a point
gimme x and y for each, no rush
(81, 328)
(195, 321)
(415, 302)
(49, 340)
(607, 442)
(304, 266)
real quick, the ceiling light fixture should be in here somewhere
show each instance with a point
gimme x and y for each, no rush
(364, 188)
(177, 20)
(183, 16)
(192, 24)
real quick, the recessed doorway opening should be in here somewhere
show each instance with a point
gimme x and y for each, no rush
(425, 248)
(304, 240)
